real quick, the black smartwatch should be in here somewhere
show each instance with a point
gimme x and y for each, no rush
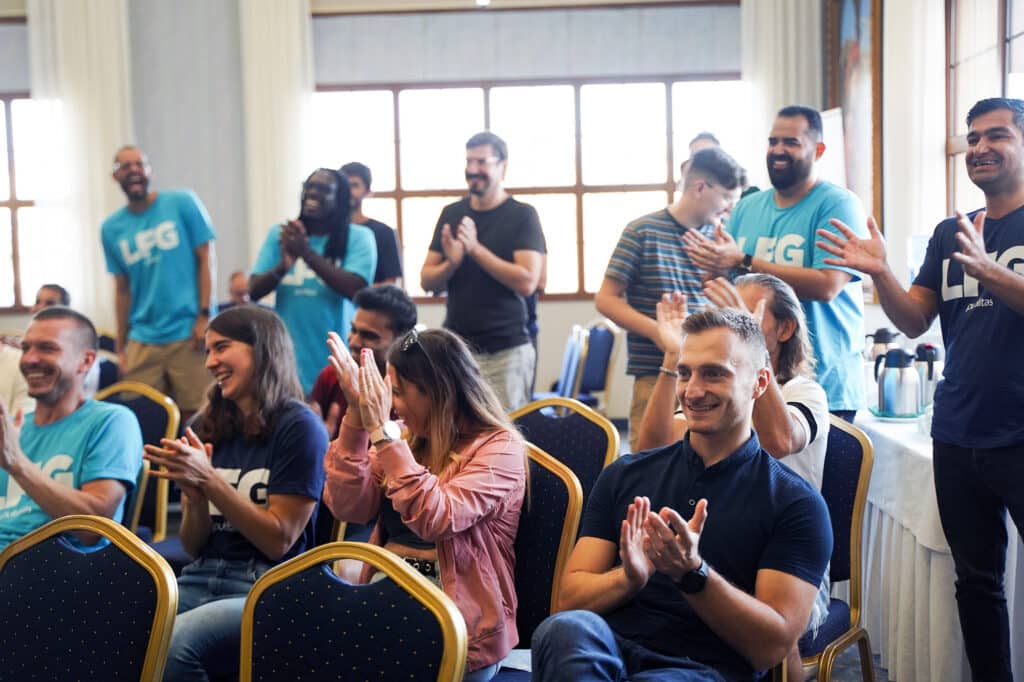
(204, 312)
(746, 266)
(695, 580)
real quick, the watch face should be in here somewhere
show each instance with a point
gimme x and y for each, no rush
(392, 431)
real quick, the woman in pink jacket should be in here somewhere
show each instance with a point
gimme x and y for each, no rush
(446, 490)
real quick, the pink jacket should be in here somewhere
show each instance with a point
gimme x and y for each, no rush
(470, 512)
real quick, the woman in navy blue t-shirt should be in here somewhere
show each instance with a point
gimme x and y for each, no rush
(251, 475)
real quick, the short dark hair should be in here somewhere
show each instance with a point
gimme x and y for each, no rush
(360, 170)
(705, 135)
(740, 323)
(810, 114)
(487, 137)
(984, 106)
(393, 302)
(716, 165)
(62, 293)
(87, 335)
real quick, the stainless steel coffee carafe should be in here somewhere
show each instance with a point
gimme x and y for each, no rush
(928, 363)
(899, 386)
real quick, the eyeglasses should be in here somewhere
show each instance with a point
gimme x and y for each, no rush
(128, 165)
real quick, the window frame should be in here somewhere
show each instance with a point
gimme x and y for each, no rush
(14, 204)
(578, 189)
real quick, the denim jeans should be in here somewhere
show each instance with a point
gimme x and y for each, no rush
(580, 646)
(974, 488)
(208, 629)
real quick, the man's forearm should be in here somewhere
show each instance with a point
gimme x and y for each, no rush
(902, 309)
(261, 284)
(657, 426)
(808, 283)
(122, 306)
(519, 279)
(618, 310)
(774, 424)
(435, 277)
(1004, 284)
(342, 281)
(597, 592)
(204, 274)
(59, 500)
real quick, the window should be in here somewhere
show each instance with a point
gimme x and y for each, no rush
(21, 175)
(589, 156)
(986, 59)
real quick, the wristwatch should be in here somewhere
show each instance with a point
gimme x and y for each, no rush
(388, 432)
(695, 580)
(204, 312)
(746, 265)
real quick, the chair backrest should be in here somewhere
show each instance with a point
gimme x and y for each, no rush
(572, 433)
(596, 366)
(106, 340)
(133, 505)
(849, 457)
(74, 614)
(548, 524)
(158, 417)
(572, 355)
(303, 622)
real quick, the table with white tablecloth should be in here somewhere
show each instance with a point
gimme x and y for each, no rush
(909, 607)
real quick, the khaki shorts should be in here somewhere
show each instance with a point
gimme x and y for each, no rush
(176, 369)
(642, 389)
(510, 373)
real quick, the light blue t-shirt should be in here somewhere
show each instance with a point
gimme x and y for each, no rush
(787, 236)
(155, 249)
(97, 441)
(307, 305)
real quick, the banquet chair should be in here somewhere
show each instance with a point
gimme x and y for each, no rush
(848, 461)
(569, 375)
(84, 614)
(159, 417)
(572, 433)
(548, 524)
(302, 622)
(597, 363)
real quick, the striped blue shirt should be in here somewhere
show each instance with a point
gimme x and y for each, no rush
(650, 261)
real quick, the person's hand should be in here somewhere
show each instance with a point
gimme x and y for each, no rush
(185, 460)
(635, 564)
(670, 542)
(453, 249)
(724, 294)
(715, 255)
(972, 255)
(345, 368)
(11, 456)
(851, 251)
(670, 312)
(467, 235)
(294, 240)
(198, 332)
(374, 393)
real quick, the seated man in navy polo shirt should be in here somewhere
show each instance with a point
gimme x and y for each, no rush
(701, 559)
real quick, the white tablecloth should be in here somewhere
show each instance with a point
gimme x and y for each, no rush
(909, 608)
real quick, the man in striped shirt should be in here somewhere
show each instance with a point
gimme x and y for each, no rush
(650, 260)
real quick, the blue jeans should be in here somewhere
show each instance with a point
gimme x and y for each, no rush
(974, 489)
(580, 646)
(208, 629)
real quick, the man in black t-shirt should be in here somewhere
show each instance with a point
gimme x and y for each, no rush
(389, 262)
(487, 252)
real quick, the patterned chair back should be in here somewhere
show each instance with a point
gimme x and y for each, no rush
(158, 417)
(597, 363)
(548, 525)
(572, 433)
(302, 622)
(74, 615)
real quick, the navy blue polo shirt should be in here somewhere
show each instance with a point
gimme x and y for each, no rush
(760, 516)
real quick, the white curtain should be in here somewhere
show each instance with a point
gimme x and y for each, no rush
(914, 124)
(80, 70)
(781, 44)
(277, 80)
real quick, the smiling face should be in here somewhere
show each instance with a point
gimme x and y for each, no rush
(716, 202)
(484, 171)
(230, 362)
(54, 359)
(995, 152)
(319, 195)
(410, 404)
(371, 329)
(792, 151)
(132, 171)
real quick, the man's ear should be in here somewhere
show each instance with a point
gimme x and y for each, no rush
(763, 378)
(88, 358)
(819, 149)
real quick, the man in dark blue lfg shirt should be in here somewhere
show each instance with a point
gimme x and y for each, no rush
(972, 280)
(699, 560)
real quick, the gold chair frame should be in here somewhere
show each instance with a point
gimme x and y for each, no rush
(563, 405)
(453, 627)
(163, 486)
(132, 513)
(142, 554)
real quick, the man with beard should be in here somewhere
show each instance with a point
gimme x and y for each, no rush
(650, 261)
(487, 252)
(160, 250)
(316, 264)
(773, 231)
(73, 455)
(972, 280)
(389, 262)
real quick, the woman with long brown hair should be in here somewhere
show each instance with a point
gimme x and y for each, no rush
(445, 487)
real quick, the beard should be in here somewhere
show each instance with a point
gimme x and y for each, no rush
(794, 173)
(480, 187)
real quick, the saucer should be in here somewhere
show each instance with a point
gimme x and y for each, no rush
(882, 417)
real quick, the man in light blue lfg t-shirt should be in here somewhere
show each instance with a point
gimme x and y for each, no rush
(316, 264)
(72, 455)
(159, 249)
(773, 231)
